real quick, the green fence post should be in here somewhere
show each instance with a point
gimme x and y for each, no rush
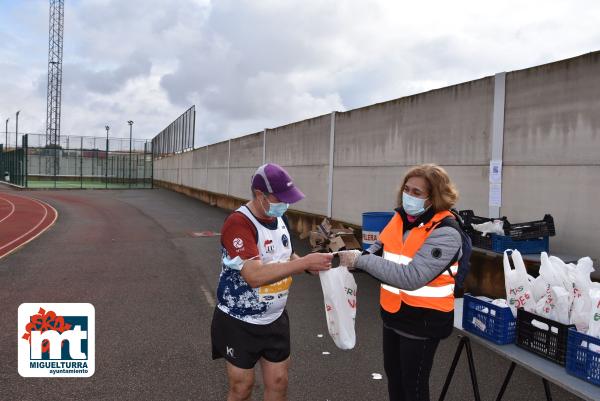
(106, 162)
(144, 178)
(152, 166)
(25, 140)
(81, 162)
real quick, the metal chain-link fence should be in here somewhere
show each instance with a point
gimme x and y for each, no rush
(12, 166)
(80, 162)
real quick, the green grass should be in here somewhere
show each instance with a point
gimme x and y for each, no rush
(85, 184)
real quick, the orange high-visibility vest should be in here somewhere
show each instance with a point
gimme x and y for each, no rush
(437, 294)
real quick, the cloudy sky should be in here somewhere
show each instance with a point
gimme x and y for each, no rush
(254, 64)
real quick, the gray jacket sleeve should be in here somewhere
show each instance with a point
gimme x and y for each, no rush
(432, 258)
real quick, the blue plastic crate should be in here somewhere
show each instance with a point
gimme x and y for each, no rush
(500, 243)
(492, 322)
(583, 362)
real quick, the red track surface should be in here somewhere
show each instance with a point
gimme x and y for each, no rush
(22, 219)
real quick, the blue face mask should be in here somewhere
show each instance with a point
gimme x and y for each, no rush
(236, 263)
(413, 206)
(277, 209)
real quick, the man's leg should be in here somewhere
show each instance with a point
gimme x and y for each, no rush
(241, 382)
(275, 379)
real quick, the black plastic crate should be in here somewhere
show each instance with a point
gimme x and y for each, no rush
(469, 218)
(549, 342)
(532, 229)
(481, 241)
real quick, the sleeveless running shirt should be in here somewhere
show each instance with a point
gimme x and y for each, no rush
(265, 304)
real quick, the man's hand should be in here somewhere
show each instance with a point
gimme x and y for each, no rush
(349, 258)
(258, 274)
(314, 262)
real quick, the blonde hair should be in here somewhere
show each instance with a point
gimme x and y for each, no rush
(442, 192)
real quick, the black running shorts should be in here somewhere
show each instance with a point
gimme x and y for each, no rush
(243, 344)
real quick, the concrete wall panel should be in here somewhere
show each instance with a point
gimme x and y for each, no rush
(364, 189)
(472, 183)
(218, 155)
(312, 180)
(303, 149)
(551, 143)
(200, 158)
(186, 160)
(449, 126)
(563, 191)
(217, 180)
(305, 143)
(247, 151)
(218, 159)
(240, 179)
(374, 189)
(185, 169)
(552, 114)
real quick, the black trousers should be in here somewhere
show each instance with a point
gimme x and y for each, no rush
(407, 364)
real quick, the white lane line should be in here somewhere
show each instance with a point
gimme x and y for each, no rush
(28, 232)
(12, 205)
(207, 294)
(36, 235)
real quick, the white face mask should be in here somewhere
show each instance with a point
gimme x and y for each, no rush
(413, 206)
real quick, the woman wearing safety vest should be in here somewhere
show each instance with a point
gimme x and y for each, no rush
(415, 259)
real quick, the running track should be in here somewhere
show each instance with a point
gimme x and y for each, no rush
(22, 219)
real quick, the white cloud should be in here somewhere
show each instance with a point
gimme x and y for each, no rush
(249, 65)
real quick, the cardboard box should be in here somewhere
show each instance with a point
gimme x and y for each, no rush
(327, 239)
(350, 241)
(316, 238)
(336, 244)
(325, 227)
(339, 231)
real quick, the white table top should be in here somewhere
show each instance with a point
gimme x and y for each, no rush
(531, 257)
(544, 368)
(535, 257)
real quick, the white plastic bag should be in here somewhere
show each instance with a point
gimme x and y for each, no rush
(339, 294)
(556, 303)
(594, 316)
(489, 227)
(559, 310)
(539, 287)
(518, 287)
(563, 272)
(545, 302)
(580, 309)
(548, 271)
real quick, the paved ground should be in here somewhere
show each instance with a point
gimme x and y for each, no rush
(129, 253)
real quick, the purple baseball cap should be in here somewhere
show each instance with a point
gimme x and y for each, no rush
(272, 178)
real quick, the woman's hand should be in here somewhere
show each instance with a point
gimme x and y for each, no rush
(349, 258)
